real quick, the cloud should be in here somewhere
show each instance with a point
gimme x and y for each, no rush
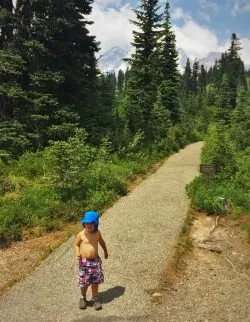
(245, 52)
(209, 5)
(204, 15)
(197, 41)
(178, 13)
(111, 26)
(240, 6)
(107, 3)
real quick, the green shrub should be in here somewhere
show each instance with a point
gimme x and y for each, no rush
(162, 147)
(67, 161)
(11, 222)
(68, 212)
(99, 199)
(35, 207)
(242, 178)
(211, 199)
(218, 150)
(6, 185)
(171, 143)
(30, 165)
(104, 176)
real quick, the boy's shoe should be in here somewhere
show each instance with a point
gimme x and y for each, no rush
(82, 303)
(97, 305)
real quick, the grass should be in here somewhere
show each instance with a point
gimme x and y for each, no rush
(176, 263)
(38, 246)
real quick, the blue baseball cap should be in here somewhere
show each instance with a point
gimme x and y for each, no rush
(91, 217)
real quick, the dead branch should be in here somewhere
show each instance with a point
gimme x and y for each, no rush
(216, 224)
(229, 262)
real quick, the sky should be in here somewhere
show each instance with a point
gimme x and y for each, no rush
(201, 26)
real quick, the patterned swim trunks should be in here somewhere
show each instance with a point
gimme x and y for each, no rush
(90, 271)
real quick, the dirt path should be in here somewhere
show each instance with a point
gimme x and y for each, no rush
(140, 230)
(215, 285)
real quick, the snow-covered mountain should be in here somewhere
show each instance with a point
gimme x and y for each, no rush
(210, 59)
(111, 61)
(182, 58)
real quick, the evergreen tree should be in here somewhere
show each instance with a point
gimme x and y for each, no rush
(232, 65)
(120, 81)
(144, 73)
(160, 117)
(240, 120)
(187, 79)
(235, 47)
(170, 99)
(202, 79)
(11, 93)
(56, 80)
(216, 75)
(224, 104)
(194, 78)
(104, 118)
(12, 139)
(219, 151)
(170, 69)
(169, 52)
(6, 23)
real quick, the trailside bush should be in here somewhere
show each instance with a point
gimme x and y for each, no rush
(211, 199)
(34, 208)
(218, 150)
(29, 165)
(67, 161)
(242, 178)
(11, 222)
(6, 185)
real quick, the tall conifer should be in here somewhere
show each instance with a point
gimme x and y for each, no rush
(144, 74)
(169, 52)
(170, 72)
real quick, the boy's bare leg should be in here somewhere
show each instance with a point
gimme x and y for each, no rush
(97, 304)
(83, 302)
(94, 291)
(84, 291)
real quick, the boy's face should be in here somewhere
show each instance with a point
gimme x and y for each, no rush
(90, 227)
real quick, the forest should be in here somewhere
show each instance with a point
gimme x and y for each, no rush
(72, 138)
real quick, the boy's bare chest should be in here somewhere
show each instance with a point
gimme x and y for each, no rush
(90, 239)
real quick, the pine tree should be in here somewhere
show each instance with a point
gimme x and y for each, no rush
(169, 52)
(187, 79)
(240, 120)
(224, 104)
(202, 79)
(6, 23)
(13, 139)
(232, 65)
(170, 72)
(58, 79)
(160, 116)
(235, 47)
(194, 78)
(120, 81)
(144, 73)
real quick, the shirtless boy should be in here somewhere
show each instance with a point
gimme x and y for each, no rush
(90, 264)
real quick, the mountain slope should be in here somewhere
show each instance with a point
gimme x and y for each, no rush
(111, 61)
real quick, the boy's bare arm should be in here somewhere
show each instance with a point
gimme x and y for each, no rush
(77, 246)
(103, 245)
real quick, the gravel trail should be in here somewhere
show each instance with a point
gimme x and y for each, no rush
(140, 230)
